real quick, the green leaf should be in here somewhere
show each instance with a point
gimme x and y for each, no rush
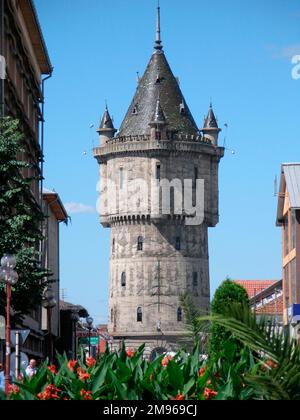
(175, 376)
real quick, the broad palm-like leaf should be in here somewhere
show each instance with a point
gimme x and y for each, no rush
(267, 342)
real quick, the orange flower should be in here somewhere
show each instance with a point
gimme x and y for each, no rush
(166, 361)
(180, 397)
(202, 372)
(87, 395)
(271, 364)
(13, 389)
(90, 362)
(72, 364)
(52, 369)
(50, 393)
(83, 375)
(130, 353)
(151, 377)
(209, 394)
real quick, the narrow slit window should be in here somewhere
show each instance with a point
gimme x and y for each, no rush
(179, 315)
(195, 176)
(123, 280)
(195, 280)
(157, 135)
(140, 243)
(121, 178)
(178, 244)
(139, 315)
(158, 172)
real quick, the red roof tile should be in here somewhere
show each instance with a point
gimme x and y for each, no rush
(254, 287)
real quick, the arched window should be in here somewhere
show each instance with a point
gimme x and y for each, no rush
(112, 316)
(140, 243)
(179, 315)
(178, 244)
(123, 280)
(114, 246)
(195, 280)
(139, 315)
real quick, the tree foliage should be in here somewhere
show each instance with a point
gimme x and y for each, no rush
(226, 295)
(20, 221)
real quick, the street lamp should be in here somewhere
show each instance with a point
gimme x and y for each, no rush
(10, 278)
(49, 303)
(89, 322)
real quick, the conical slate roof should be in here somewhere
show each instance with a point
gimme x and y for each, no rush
(158, 82)
(106, 122)
(210, 121)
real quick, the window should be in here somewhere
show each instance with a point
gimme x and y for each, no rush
(179, 315)
(294, 281)
(178, 244)
(157, 135)
(158, 172)
(195, 177)
(135, 109)
(140, 243)
(123, 280)
(112, 316)
(114, 246)
(286, 286)
(139, 315)
(195, 280)
(293, 227)
(286, 235)
(121, 178)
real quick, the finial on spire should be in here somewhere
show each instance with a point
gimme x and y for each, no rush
(158, 44)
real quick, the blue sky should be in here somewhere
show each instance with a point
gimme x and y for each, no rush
(239, 53)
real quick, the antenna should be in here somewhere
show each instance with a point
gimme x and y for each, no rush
(158, 43)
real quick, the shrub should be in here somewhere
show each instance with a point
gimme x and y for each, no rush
(228, 294)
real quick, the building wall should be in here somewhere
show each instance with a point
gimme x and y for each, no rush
(52, 263)
(21, 97)
(291, 257)
(159, 275)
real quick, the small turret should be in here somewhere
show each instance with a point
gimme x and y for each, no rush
(106, 130)
(158, 124)
(211, 129)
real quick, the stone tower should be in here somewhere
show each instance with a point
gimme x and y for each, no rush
(158, 252)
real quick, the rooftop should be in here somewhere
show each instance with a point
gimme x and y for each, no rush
(254, 287)
(158, 83)
(36, 35)
(290, 182)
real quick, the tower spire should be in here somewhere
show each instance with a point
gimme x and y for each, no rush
(158, 44)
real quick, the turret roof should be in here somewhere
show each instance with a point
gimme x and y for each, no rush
(158, 82)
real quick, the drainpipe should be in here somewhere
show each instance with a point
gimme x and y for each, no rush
(43, 132)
